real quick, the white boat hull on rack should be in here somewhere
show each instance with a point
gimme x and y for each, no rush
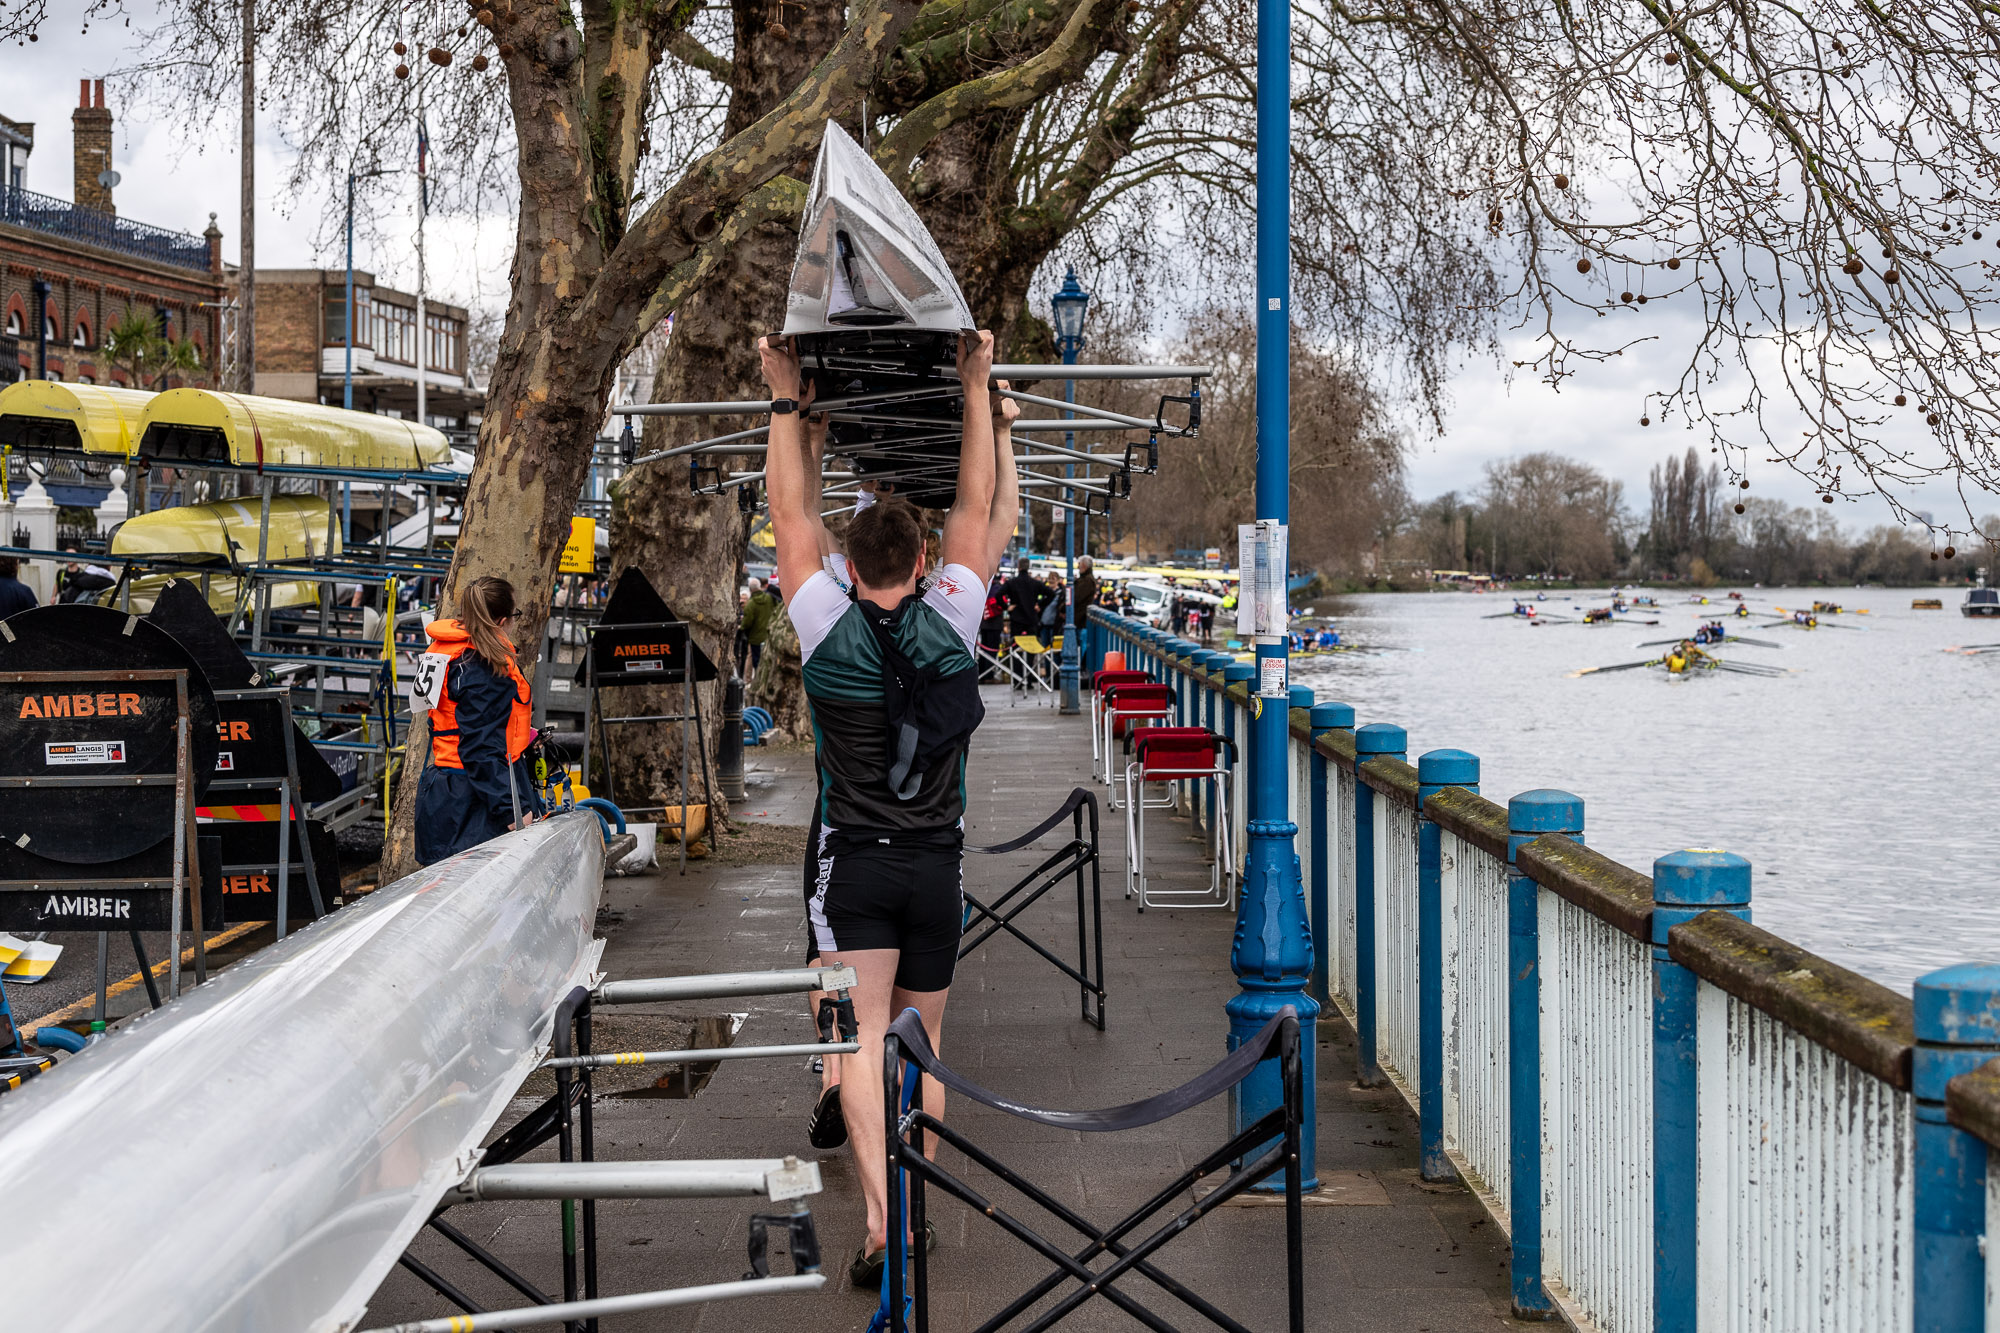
(256, 1155)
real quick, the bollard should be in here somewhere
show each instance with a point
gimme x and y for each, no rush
(1375, 741)
(729, 751)
(1958, 1030)
(1323, 718)
(1685, 884)
(1529, 816)
(1436, 770)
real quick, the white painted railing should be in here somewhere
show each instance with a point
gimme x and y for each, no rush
(1804, 1181)
(1396, 938)
(1597, 1115)
(1473, 909)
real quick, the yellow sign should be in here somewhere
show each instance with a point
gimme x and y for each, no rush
(580, 554)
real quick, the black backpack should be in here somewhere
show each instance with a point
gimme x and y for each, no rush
(931, 713)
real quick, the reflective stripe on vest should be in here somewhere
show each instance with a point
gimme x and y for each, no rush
(444, 718)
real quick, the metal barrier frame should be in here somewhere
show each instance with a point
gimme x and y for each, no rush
(1068, 861)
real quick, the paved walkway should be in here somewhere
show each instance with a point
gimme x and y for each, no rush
(1388, 1253)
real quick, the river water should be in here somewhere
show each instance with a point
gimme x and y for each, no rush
(1862, 788)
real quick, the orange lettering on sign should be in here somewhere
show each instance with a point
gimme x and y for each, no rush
(128, 705)
(55, 705)
(107, 705)
(643, 650)
(239, 731)
(29, 708)
(81, 706)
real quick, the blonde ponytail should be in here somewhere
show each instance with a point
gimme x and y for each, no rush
(484, 604)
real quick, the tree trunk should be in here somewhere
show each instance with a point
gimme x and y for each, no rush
(691, 546)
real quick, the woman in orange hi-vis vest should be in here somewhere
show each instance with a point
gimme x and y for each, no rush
(477, 785)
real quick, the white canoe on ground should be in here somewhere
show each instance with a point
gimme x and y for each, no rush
(257, 1154)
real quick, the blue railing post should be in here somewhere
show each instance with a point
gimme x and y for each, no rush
(1685, 884)
(1323, 718)
(1436, 770)
(1958, 1030)
(1529, 816)
(1377, 740)
(1238, 673)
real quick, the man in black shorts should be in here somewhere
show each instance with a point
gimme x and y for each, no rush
(887, 900)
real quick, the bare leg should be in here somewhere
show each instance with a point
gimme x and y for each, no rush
(929, 1004)
(861, 1073)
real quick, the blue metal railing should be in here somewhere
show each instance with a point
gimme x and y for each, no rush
(1681, 1120)
(60, 217)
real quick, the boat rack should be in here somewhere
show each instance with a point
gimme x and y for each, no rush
(906, 433)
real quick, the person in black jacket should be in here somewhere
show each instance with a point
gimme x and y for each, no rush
(1026, 596)
(477, 785)
(14, 594)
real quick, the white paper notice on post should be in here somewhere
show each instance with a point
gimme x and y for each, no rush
(1271, 682)
(1261, 560)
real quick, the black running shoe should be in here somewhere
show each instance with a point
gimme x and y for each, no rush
(826, 1128)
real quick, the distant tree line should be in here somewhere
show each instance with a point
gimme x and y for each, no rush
(1543, 515)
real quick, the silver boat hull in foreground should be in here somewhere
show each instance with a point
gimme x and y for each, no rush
(257, 1154)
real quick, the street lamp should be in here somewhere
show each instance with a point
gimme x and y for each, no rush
(1070, 302)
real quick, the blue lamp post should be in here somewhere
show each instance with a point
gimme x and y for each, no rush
(1070, 302)
(1273, 953)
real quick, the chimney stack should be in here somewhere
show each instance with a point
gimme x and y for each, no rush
(91, 122)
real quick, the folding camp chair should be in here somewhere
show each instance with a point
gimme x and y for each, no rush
(1099, 683)
(1031, 659)
(1267, 1150)
(1127, 707)
(1176, 755)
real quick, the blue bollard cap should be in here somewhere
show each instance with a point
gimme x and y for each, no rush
(1236, 671)
(1380, 738)
(1324, 717)
(1302, 697)
(1448, 768)
(1959, 1005)
(1702, 877)
(1215, 661)
(1545, 810)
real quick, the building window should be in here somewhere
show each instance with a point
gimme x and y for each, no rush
(14, 322)
(49, 333)
(85, 379)
(441, 339)
(335, 333)
(81, 338)
(395, 329)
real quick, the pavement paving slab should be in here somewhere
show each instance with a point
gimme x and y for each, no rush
(1384, 1250)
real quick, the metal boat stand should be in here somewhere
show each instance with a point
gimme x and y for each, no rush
(577, 1178)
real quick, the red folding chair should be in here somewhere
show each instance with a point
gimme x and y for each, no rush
(1170, 755)
(1126, 709)
(1099, 683)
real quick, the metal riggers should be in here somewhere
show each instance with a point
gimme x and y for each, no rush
(1068, 861)
(1267, 1147)
(577, 1178)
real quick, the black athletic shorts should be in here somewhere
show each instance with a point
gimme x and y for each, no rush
(876, 892)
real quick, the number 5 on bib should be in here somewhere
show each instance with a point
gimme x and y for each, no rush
(428, 684)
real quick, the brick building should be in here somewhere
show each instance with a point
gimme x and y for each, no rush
(302, 346)
(71, 269)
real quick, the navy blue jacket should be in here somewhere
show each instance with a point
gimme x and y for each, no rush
(15, 596)
(459, 808)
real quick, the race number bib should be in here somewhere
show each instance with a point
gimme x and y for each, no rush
(428, 684)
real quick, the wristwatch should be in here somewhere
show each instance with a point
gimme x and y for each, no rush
(783, 407)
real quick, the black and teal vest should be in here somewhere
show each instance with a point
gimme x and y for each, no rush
(844, 687)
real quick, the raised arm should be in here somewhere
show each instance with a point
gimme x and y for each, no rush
(815, 465)
(793, 521)
(1006, 512)
(965, 527)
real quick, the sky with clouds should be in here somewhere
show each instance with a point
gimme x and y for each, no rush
(173, 180)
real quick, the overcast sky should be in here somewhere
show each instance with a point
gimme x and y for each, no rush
(177, 182)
